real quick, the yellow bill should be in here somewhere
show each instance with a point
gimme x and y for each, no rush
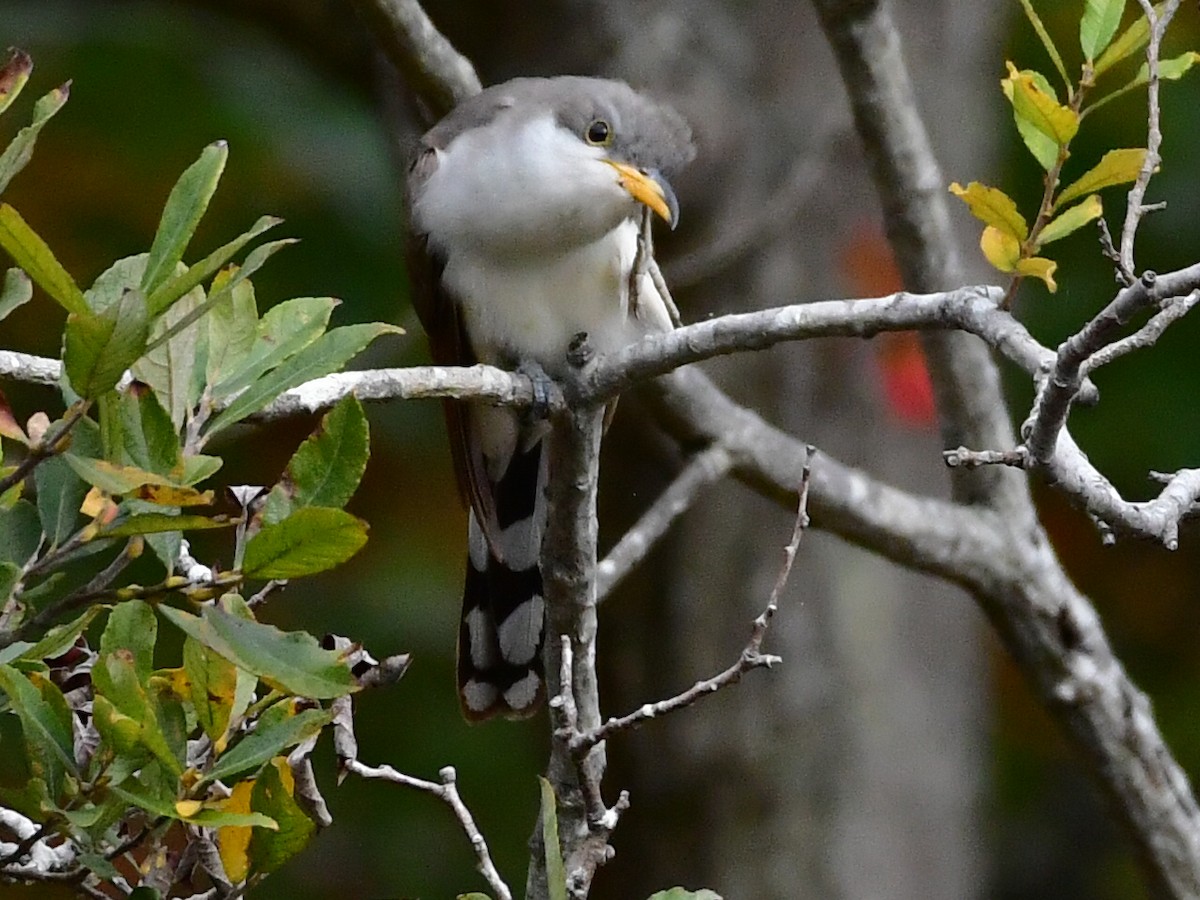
(649, 189)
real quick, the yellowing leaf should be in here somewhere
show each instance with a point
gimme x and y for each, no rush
(1168, 69)
(992, 207)
(233, 841)
(1039, 267)
(1072, 220)
(170, 495)
(1115, 167)
(1132, 39)
(1001, 249)
(188, 808)
(1034, 105)
(94, 503)
(1043, 148)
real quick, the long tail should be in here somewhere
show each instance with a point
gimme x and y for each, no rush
(503, 611)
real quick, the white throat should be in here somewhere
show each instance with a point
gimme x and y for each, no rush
(538, 238)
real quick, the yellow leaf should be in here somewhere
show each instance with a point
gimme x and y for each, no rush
(992, 207)
(188, 808)
(94, 503)
(1073, 219)
(170, 495)
(1039, 267)
(233, 841)
(1032, 104)
(1001, 249)
(1115, 167)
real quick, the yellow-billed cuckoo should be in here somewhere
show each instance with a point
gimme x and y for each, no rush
(524, 206)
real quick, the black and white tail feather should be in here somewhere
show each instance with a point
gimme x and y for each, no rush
(503, 610)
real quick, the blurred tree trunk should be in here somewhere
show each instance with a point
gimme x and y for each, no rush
(855, 769)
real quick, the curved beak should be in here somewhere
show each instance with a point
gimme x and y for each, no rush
(649, 188)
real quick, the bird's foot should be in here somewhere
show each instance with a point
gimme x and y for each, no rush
(544, 391)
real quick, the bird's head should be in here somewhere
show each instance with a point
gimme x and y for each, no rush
(537, 164)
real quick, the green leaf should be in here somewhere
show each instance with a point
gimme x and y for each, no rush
(184, 208)
(1131, 41)
(290, 660)
(1044, 37)
(10, 574)
(139, 432)
(162, 804)
(992, 207)
(53, 643)
(232, 326)
(198, 468)
(17, 291)
(308, 541)
(20, 532)
(328, 354)
(13, 76)
(328, 466)
(196, 274)
(277, 729)
(1115, 167)
(1071, 220)
(258, 256)
(98, 348)
(284, 331)
(678, 893)
(556, 871)
(48, 740)
(174, 366)
(60, 493)
(273, 796)
(132, 627)
(18, 153)
(116, 679)
(32, 254)
(160, 523)
(212, 680)
(1098, 25)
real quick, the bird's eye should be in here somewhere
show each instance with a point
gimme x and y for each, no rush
(599, 133)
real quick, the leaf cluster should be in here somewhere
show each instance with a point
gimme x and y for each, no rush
(1048, 124)
(127, 759)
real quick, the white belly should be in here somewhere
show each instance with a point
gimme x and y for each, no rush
(522, 308)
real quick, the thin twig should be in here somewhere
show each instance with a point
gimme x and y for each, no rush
(446, 791)
(51, 444)
(1135, 208)
(751, 657)
(1171, 312)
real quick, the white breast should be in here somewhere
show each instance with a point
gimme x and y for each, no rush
(539, 240)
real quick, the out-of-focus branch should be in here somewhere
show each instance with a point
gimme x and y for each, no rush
(705, 468)
(437, 73)
(912, 190)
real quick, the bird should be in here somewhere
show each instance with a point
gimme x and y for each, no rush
(524, 207)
